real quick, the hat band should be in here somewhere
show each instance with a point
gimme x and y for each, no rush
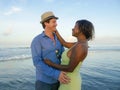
(50, 17)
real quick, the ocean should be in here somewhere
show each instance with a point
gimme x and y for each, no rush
(99, 71)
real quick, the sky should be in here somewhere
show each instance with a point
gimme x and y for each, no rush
(20, 19)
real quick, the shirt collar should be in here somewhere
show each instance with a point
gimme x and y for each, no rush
(43, 34)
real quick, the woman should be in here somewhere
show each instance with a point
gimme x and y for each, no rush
(73, 57)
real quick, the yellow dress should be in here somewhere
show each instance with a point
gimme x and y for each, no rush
(75, 83)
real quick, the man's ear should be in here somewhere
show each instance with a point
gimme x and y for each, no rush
(46, 23)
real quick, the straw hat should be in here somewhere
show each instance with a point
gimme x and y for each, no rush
(47, 15)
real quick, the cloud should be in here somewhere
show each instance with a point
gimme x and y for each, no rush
(8, 31)
(13, 10)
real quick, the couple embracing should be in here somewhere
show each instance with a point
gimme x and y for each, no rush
(58, 68)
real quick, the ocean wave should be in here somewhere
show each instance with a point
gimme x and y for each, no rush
(20, 57)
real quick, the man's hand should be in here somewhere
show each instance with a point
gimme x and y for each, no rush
(63, 78)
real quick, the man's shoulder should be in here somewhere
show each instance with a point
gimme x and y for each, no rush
(37, 38)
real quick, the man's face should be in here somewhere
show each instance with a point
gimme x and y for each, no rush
(52, 25)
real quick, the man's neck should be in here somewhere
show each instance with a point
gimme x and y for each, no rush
(49, 34)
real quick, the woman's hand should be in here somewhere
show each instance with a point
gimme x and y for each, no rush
(48, 62)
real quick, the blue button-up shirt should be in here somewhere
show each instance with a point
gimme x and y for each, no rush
(43, 47)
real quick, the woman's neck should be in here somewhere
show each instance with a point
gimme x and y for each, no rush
(82, 39)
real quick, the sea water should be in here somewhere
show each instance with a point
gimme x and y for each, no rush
(99, 71)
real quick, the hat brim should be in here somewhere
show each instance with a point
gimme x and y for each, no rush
(51, 17)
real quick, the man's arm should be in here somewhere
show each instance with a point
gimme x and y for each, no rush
(47, 70)
(38, 62)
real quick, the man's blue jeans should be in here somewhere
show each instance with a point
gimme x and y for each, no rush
(44, 86)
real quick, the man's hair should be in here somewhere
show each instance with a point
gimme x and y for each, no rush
(48, 20)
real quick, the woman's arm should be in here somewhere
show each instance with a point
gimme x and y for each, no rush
(57, 66)
(78, 54)
(63, 42)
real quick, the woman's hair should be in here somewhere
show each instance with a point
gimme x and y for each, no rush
(87, 28)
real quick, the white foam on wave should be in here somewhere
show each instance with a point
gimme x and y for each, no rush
(20, 57)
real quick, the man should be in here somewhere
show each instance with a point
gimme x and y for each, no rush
(47, 46)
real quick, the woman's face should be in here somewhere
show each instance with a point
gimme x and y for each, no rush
(75, 30)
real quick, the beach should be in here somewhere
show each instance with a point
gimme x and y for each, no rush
(99, 71)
